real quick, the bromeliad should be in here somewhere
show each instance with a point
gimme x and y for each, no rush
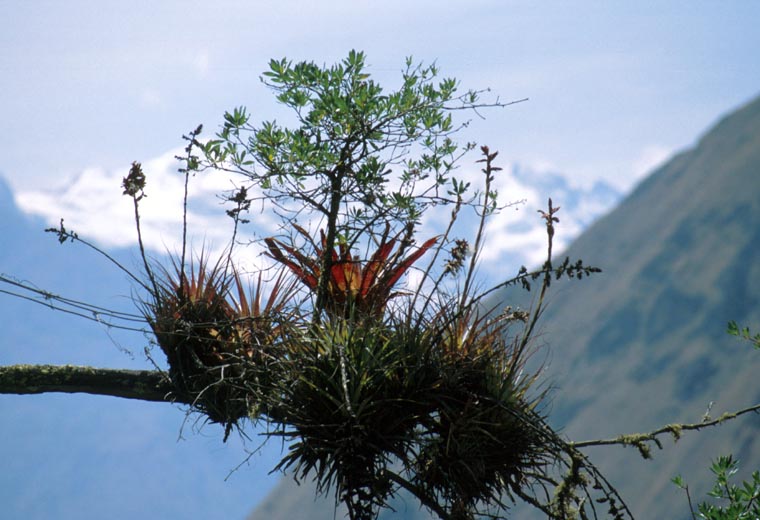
(200, 322)
(365, 289)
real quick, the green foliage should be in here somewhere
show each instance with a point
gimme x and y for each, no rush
(743, 332)
(358, 158)
(729, 501)
(348, 133)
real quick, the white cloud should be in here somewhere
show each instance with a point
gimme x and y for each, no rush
(517, 235)
(92, 205)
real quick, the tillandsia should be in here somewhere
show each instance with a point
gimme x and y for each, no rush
(376, 388)
(219, 336)
(352, 285)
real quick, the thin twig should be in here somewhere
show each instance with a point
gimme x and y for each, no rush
(638, 439)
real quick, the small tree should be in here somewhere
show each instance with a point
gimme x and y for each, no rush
(375, 387)
(729, 501)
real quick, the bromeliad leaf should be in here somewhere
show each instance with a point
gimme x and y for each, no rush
(351, 286)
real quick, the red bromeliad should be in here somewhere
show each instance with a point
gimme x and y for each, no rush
(368, 287)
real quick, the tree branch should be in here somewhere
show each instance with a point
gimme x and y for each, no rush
(421, 495)
(145, 385)
(639, 439)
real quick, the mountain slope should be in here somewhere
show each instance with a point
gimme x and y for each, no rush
(644, 344)
(649, 347)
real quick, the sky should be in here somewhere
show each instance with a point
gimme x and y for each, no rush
(613, 88)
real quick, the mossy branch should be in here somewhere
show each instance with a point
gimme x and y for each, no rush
(641, 440)
(145, 385)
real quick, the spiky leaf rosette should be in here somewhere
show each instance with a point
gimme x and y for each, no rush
(485, 436)
(356, 393)
(218, 346)
(364, 287)
(443, 399)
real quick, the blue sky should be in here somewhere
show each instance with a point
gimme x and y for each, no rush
(88, 87)
(613, 86)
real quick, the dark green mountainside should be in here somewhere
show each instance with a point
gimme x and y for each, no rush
(643, 344)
